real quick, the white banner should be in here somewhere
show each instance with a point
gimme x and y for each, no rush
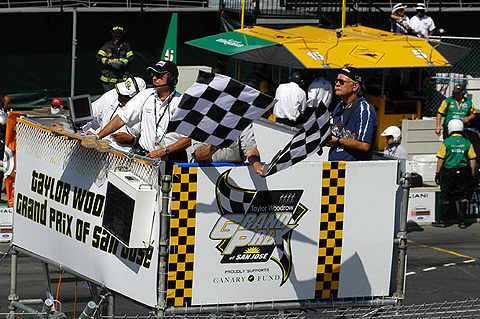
(314, 231)
(60, 191)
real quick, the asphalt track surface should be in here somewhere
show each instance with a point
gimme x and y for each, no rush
(443, 265)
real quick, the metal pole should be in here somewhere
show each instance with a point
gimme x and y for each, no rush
(88, 310)
(13, 296)
(74, 52)
(48, 286)
(166, 184)
(401, 239)
(111, 305)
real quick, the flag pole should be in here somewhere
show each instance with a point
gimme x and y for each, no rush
(243, 14)
(344, 13)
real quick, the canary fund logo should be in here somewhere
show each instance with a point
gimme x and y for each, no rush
(256, 226)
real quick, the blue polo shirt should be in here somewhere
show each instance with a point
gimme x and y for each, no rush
(361, 125)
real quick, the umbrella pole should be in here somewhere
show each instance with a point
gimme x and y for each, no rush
(243, 14)
(344, 13)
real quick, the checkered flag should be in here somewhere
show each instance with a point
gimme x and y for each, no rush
(217, 108)
(230, 199)
(310, 139)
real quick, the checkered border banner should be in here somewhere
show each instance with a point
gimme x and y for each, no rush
(182, 236)
(331, 230)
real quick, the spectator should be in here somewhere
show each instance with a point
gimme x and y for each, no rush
(244, 148)
(320, 90)
(394, 148)
(399, 22)
(458, 106)
(422, 24)
(110, 104)
(456, 167)
(291, 101)
(153, 108)
(354, 120)
(5, 103)
(115, 57)
(56, 107)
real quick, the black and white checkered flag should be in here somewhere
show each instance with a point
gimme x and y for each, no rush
(217, 108)
(310, 139)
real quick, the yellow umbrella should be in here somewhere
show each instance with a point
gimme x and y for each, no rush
(312, 47)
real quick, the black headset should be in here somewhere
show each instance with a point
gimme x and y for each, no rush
(172, 79)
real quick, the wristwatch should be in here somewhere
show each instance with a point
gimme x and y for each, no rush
(338, 140)
(166, 151)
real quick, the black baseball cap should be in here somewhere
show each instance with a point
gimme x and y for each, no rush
(162, 67)
(352, 73)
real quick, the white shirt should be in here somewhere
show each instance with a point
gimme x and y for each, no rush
(292, 101)
(396, 150)
(424, 25)
(104, 110)
(319, 90)
(153, 115)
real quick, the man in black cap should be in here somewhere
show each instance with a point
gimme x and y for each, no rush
(354, 120)
(115, 56)
(153, 108)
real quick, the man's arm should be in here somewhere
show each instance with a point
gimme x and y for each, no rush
(349, 143)
(473, 166)
(253, 157)
(111, 127)
(440, 162)
(205, 152)
(180, 145)
(438, 127)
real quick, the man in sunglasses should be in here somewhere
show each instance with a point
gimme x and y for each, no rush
(153, 108)
(354, 120)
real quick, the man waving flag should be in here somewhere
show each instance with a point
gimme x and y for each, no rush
(216, 109)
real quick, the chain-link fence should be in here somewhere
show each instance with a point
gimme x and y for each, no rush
(444, 78)
(448, 309)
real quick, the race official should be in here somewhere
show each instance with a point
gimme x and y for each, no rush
(456, 166)
(110, 104)
(458, 106)
(243, 148)
(354, 120)
(153, 108)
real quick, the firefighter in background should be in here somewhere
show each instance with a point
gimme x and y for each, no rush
(456, 167)
(115, 57)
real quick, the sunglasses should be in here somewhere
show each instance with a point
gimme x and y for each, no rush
(158, 74)
(342, 82)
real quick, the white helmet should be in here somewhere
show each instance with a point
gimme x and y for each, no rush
(455, 126)
(393, 131)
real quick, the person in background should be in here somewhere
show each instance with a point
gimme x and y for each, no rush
(56, 107)
(243, 148)
(115, 56)
(458, 106)
(354, 120)
(456, 166)
(153, 108)
(110, 104)
(421, 24)
(394, 148)
(320, 90)
(400, 23)
(5, 103)
(291, 101)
